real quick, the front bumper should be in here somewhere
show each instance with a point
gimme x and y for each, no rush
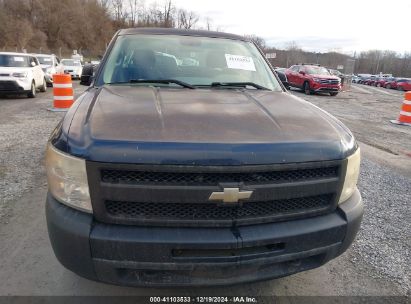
(325, 88)
(152, 256)
(73, 74)
(14, 85)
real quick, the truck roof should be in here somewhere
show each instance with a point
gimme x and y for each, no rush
(179, 32)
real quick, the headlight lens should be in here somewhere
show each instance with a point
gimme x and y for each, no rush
(351, 176)
(20, 74)
(67, 179)
(317, 80)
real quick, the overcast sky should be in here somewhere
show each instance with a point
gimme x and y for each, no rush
(316, 25)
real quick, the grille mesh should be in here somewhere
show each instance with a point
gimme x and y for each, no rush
(212, 211)
(186, 178)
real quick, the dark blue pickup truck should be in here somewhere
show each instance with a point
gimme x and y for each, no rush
(186, 162)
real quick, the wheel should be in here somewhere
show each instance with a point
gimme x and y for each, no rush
(333, 93)
(388, 86)
(43, 87)
(32, 92)
(378, 84)
(307, 89)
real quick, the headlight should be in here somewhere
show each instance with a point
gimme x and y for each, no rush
(317, 80)
(49, 71)
(20, 74)
(351, 176)
(67, 179)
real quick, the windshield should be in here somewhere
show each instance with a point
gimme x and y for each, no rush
(317, 71)
(14, 61)
(69, 62)
(197, 61)
(46, 60)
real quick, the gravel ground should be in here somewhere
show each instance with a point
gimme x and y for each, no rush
(23, 138)
(384, 238)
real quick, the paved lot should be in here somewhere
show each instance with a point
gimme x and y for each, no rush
(377, 264)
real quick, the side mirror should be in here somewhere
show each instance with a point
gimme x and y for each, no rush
(87, 75)
(302, 72)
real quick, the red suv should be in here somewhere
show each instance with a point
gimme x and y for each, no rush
(404, 85)
(313, 78)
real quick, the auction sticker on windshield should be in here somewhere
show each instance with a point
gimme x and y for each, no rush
(240, 62)
(19, 59)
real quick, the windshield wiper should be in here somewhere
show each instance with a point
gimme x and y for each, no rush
(238, 84)
(163, 81)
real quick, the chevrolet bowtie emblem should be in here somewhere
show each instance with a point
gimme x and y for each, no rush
(230, 195)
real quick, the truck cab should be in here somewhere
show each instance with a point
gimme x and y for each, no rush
(186, 162)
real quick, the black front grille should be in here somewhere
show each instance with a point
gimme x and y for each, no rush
(330, 81)
(167, 195)
(186, 178)
(213, 212)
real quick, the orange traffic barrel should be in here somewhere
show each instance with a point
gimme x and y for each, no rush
(405, 113)
(63, 92)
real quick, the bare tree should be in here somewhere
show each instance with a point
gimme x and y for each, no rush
(134, 8)
(294, 53)
(120, 11)
(187, 19)
(168, 14)
(259, 41)
(209, 23)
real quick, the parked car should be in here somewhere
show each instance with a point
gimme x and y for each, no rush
(72, 67)
(404, 85)
(368, 80)
(361, 80)
(21, 74)
(356, 79)
(394, 83)
(88, 72)
(313, 78)
(338, 74)
(50, 65)
(214, 175)
(372, 81)
(283, 77)
(381, 81)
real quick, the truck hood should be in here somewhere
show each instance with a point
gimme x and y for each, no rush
(219, 126)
